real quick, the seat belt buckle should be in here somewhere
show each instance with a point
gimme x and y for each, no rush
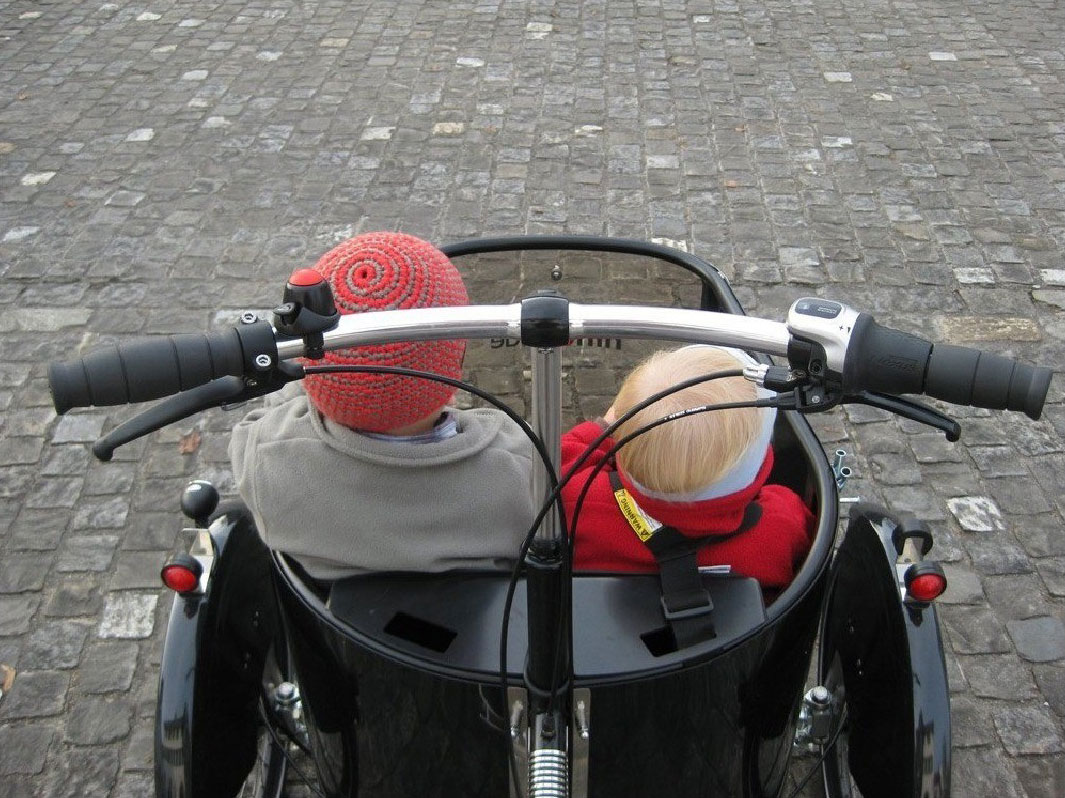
(696, 603)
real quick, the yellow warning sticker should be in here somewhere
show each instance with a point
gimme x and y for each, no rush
(642, 525)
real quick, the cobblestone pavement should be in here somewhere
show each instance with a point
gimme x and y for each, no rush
(165, 164)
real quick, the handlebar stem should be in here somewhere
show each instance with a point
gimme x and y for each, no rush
(547, 424)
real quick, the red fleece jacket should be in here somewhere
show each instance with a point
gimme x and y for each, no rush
(770, 552)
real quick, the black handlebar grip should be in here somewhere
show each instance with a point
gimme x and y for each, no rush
(884, 360)
(971, 377)
(148, 368)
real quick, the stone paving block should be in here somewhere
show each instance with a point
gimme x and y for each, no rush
(133, 785)
(35, 694)
(55, 644)
(963, 587)
(1041, 777)
(77, 596)
(984, 773)
(98, 720)
(1051, 681)
(1040, 535)
(90, 552)
(976, 513)
(1016, 596)
(16, 612)
(974, 724)
(137, 569)
(1021, 496)
(37, 530)
(107, 667)
(974, 630)
(998, 676)
(101, 514)
(1038, 639)
(139, 753)
(23, 748)
(998, 461)
(78, 428)
(79, 772)
(128, 615)
(1028, 730)
(20, 572)
(996, 555)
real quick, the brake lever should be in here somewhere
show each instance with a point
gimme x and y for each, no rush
(222, 391)
(907, 408)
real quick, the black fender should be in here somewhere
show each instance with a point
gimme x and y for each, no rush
(211, 667)
(890, 654)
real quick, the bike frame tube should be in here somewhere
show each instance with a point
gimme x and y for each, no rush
(547, 423)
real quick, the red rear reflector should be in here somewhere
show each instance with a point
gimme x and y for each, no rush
(927, 587)
(305, 277)
(179, 578)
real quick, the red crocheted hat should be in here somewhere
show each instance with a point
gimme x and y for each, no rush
(388, 271)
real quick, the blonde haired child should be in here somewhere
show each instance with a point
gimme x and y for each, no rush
(703, 475)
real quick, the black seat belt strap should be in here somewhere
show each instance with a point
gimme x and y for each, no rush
(686, 604)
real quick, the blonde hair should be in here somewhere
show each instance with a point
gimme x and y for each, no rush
(692, 453)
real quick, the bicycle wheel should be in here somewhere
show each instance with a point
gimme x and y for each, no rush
(266, 779)
(835, 767)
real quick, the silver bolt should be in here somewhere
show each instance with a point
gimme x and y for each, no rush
(285, 692)
(263, 361)
(840, 454)
(247, 317)
(517, 713)
(582, 721)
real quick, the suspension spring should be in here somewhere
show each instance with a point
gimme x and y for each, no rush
(548, 774)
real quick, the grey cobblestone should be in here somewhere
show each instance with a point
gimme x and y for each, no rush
(1016, 597)
(1028, 730)
(998, 676)
(35, 694)
(984, 771)
(86, 771)
(16, 613)
(974, 630)
(1042, 777)
(107, 668)
(163, 166)
(55, 644)
(98, 720)
(1038, 639)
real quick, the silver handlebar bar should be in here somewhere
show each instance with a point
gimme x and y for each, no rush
(585, 321)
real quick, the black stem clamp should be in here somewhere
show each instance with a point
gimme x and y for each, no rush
(545, 319)
(307, 310)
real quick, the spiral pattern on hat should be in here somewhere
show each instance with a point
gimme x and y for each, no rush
(388, 271)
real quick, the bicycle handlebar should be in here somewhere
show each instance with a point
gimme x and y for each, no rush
(151, 368)
(859, 354)
(895, 362)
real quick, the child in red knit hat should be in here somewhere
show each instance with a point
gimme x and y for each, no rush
(703, 475)
(354, 473)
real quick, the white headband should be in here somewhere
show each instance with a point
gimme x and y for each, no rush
(744, 470)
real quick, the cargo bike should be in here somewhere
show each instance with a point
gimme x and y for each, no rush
(544, 681)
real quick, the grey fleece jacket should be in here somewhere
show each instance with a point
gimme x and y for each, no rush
(343, 503)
